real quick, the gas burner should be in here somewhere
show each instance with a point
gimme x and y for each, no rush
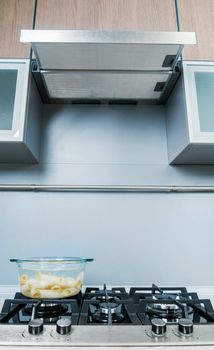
(47, 311)
(171, 311)
(100, 310)
(166, 311)
(105, 308)
(101, 314)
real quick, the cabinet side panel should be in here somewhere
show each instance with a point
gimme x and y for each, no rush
(34, 114)
(15, 152)
(196, 154)
(106, 14)
(176, 122)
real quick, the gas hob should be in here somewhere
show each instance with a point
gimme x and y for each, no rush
(142, 316)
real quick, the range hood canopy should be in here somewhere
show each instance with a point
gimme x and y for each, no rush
(88, 65)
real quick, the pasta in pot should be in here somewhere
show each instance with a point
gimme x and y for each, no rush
(23, 279)
(56, 287)
(50, 286)
(69, 291)
(35, 293)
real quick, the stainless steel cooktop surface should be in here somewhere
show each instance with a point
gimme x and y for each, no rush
(110, 317)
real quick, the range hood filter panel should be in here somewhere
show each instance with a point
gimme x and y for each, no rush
(103, 85)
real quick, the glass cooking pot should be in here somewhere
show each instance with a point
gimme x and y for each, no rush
(51, 278)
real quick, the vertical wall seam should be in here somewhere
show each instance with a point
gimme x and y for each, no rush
(34, 15)
(33, 24)
(177, 15)
(178, 20)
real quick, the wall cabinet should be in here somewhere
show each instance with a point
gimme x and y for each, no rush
(19, 114)
(190, 121)
(14, 16)
(197, 16)
(148, 15)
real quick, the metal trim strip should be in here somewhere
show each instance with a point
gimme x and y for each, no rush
(106, 188)
(107, 37)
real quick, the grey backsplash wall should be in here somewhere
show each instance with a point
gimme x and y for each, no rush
(135, 238)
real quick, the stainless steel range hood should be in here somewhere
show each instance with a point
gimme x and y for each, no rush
(76, 65)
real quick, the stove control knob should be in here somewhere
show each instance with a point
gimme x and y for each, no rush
(158, 327)
(63, 326)
(35, 326)
(185, 326)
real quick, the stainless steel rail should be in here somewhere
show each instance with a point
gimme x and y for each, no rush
(105, 188)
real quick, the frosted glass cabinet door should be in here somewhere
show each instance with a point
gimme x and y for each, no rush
(8, 78)
(20, 113)
(204, 82)
(13, 97)
(190, 115)
(199, 82)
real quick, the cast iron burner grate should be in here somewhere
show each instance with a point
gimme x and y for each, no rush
(198, 311)
(107, 306)
(169, 311)
(18, 311)
(78, 298)
(102, 310)
(139, 294)
(112, 306)
(170, 305)
(120, 292)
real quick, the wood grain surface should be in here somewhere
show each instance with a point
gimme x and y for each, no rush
(198, 16)
(107, 14)
(14, 16)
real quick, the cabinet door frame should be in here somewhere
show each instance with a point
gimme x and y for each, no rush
(189, 70)
(17, 132)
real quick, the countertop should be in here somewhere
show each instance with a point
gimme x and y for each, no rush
(118, 348)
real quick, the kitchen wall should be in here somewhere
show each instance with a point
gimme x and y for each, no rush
(135, 238)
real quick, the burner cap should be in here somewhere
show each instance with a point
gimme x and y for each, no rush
(106, 307)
